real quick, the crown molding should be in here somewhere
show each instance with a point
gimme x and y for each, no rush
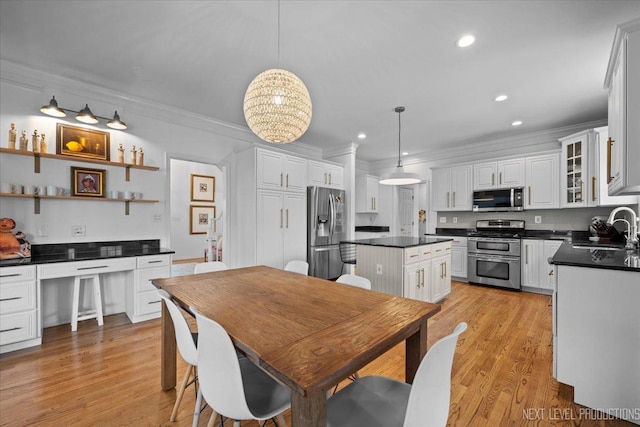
(340, 150)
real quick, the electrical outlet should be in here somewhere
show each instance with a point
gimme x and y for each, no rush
(42, 230)
(537, 219)
(378, 268)
(78, 230)
(455, 219)
(443, 220)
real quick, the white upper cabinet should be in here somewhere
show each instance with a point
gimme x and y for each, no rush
(277, 171)
(576, 183)
(367, 194)
(598, 178)
(542, 176)
(623, 83)
(500, 174)
(326, 175)
(452, 188)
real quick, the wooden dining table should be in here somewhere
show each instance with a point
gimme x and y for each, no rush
(307, 333)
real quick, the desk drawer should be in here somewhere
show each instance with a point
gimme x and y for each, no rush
(148, 303)
(143, 284)
(17, 274)
(17, 297)
(76, 268)
(18, 327)
(153, 261)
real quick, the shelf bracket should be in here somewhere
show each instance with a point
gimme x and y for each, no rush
(127, 176)
(36, 162)
(126, 205)
(36, 205)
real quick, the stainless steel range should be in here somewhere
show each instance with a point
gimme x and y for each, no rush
(494, 253)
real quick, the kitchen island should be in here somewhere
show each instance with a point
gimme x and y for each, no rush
(597, 327)
(411, 267)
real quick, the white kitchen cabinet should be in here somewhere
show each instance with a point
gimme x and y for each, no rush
(440, 285)
(548, 275)
(452, 188)
(19, 308)
(623, 83)
(537, 273)
(367, 194)
(458, 256)
(142, 301)
(601, 187)
(507, 173)
(542, 175)
(277, 171)
(281, 228)
(577, 180)
(326, 175)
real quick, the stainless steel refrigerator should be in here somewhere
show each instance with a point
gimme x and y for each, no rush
(325, 229)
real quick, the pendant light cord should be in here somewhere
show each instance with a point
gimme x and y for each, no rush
(278, 34)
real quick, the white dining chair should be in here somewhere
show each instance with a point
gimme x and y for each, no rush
(187, 347)
(375, 401)
(298, 266)
(235, 388)
(207, 267)
(353, 280)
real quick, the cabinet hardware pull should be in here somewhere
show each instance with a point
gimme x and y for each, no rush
(155, 261)
(593, 188)
(92, 268)
(500, 178)
(325, 178)
(447, 199)
(287, 180)
(550, 272)
(610, 142)
(418, 278)
(11, 329)
(413, 256)
(422, 277)
(10, 299)
(11, 275)
(529, 195)
(581, 192)
(445, 269)
(438, 250)
(454, 199)
(280, 218)
(280, 179)
(287, 218)
(493, 178)
(154, 302)
(329, 179)
(526, 254)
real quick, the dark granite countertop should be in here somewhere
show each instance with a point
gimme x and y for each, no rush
(593, 255)
(67, 252)
(399, 241)
(373, 228)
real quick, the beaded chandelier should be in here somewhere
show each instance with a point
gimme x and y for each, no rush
(277, 106)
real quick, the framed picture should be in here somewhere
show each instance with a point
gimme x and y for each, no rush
(87, 182)
(200, 217)
(79, 142)
(203, 188)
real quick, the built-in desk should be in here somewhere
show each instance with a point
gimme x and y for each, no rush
(36, 292)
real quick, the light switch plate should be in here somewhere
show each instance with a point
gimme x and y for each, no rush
(78, 230)
(537, 219)
(443, 220)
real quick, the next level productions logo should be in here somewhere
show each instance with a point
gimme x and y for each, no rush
(564, 414)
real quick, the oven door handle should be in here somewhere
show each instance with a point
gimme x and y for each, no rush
(494, 257)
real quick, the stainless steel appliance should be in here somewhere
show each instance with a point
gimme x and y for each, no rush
(493, 253)
(325, 229)
(504, 200)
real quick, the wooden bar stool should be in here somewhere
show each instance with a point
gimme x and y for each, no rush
(97, 296)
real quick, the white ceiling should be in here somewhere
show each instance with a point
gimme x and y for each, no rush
(359, 60)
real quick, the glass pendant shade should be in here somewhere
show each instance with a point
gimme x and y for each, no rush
(399, 176)
(86, 116)
(116, 123)
(277, 106)
(52, 109)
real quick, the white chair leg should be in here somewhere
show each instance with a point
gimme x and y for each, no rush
(183, 385)
(236, 423)
(76, 301)
(212, 420)
(98, 299)
(196, 411)
(281, 421)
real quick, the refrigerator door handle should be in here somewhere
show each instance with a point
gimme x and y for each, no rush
(332, 214)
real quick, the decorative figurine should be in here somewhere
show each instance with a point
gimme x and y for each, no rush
(140, 157)
(12, 246)
(120, 154)
(35, 142)
(133, 155)
(24, 141)
(43, 144)
(12, 136)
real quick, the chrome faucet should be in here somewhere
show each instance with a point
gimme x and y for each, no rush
(632, 226)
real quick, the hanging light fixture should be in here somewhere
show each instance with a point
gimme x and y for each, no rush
(399, 176)
(84, 115)
(277, 105)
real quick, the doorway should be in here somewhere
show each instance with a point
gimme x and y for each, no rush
(405, 211)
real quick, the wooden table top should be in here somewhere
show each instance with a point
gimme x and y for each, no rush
(309, 333)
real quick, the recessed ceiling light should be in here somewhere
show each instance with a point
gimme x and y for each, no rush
(466, 40)
(362, 135)
(404, 153)
(516, 123)
(500, 98)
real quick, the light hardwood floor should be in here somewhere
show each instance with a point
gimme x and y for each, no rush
(110, 375)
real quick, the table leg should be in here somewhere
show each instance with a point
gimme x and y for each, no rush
(416, 349)
(167, 351)
(309, 411)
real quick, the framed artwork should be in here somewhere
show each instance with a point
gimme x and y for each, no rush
(203, 188)
(87, 182)
(80, 142)
(200, 217)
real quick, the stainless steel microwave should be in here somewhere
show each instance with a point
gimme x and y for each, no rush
(503, 200)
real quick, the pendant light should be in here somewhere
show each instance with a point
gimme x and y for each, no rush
(86, 116)
(399, 176)
(277, 105)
